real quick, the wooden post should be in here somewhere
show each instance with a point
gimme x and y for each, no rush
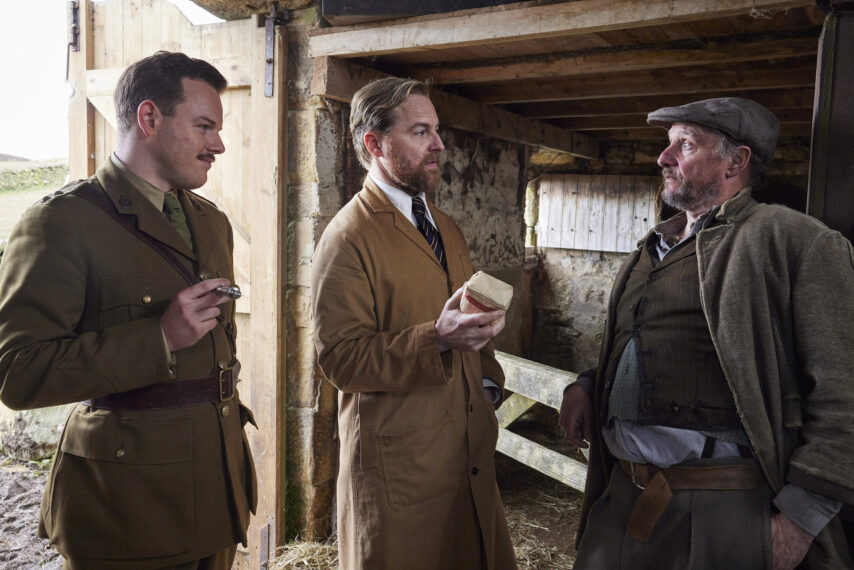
(81, 114)
(830, 195)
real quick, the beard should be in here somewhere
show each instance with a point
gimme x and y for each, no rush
(688, 196)
(415, 179)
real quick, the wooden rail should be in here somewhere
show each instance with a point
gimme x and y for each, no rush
(531, 383)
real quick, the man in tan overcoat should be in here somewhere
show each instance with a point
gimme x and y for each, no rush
(107, 302)
(418, 379)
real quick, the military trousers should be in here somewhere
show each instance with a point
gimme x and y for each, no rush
(698, 530)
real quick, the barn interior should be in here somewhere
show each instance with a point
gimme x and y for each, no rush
(550, 168)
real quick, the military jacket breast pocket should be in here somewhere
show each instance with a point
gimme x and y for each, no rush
(131, 298)
(122, 487)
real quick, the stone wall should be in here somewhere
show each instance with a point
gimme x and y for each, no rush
(483, 190)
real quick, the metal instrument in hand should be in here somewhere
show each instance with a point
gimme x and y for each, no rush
(233, 292)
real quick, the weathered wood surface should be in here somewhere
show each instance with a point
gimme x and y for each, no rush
(512, 409)
(543, 459)
(533, 380)
(595, 213)
(831, 175)
(618, 60)
(339, 80)
(699, 80)
(526, 23)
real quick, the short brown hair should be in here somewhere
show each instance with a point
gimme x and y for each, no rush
(158, 78)
(372, 109)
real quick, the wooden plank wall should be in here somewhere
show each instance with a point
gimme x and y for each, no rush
(595, 213)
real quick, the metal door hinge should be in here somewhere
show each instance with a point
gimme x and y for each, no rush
(74, 19)
(276, 18)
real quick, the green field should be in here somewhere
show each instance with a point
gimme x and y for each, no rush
(23, 183)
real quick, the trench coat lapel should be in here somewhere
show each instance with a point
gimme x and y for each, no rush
(129, 201)
(380, 203)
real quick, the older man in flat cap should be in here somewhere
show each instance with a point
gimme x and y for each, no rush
(719, 415)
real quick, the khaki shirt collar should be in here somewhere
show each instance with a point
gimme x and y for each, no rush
(154, 194)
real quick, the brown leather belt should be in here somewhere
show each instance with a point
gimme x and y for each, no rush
(216, 388)
(658, 484)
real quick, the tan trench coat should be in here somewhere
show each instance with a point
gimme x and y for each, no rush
(80, 306)
(416, 432)
(777, 289)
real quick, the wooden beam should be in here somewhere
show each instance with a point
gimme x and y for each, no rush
(533, 380)
(709, 52)
(512, 408)
(543, 459)
(657, 133)
(610, 122)
(831, 176)
(686, 80)
(81, 114)
(236, 69)
(526, 22)
(339, 80)
(800, 98)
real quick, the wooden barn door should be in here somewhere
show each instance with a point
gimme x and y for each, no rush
(246, 182)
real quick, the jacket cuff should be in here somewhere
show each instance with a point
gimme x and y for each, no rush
(820, 486)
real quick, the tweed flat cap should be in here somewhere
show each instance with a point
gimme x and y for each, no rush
(743, 120)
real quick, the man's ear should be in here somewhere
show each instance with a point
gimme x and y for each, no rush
(738, 162)
(148, 117)
(373, 142)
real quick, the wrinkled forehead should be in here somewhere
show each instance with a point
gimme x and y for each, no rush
(693, 130)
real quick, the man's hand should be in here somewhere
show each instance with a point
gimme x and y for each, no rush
(789, 542)
(466, 332)
(575, 416)
(192, 314)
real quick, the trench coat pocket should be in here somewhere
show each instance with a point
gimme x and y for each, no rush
(123, 487)
(420, 464)
(251, 482)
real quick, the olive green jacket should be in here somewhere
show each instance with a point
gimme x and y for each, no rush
(80, 306)
(777, 289)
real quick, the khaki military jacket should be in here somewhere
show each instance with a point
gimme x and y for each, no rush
(80, 306)
(777, 289)
(416, 431)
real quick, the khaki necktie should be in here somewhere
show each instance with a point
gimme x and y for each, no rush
(175, 214)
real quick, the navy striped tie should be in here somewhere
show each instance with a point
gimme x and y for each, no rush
(431, 234)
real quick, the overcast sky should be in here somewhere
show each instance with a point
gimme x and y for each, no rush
(33, 92)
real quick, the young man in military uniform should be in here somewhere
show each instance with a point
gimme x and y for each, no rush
(108, 298)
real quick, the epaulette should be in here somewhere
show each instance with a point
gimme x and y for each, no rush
(64, 190)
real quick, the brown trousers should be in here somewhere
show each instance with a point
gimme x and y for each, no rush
(699, 530)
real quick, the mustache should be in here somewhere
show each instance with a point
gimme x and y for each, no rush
(209, 157)
(432, 157)
(668, 171)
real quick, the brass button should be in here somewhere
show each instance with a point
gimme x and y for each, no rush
(146, 299)
(203, 276)
(221, 364)
(224, 411)
(120, 453)
(171, 370)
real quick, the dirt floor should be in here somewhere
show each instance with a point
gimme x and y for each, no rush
(542, 515)
(21, 487)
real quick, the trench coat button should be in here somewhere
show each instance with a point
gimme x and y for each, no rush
(120, 453)
(675, 407)
(651, 278)
(475, 470)
(203, 276)
(146, 299)
(224, 411)
(221, 364)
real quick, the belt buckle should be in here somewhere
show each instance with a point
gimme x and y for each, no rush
(226, 384)
(634, 479)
